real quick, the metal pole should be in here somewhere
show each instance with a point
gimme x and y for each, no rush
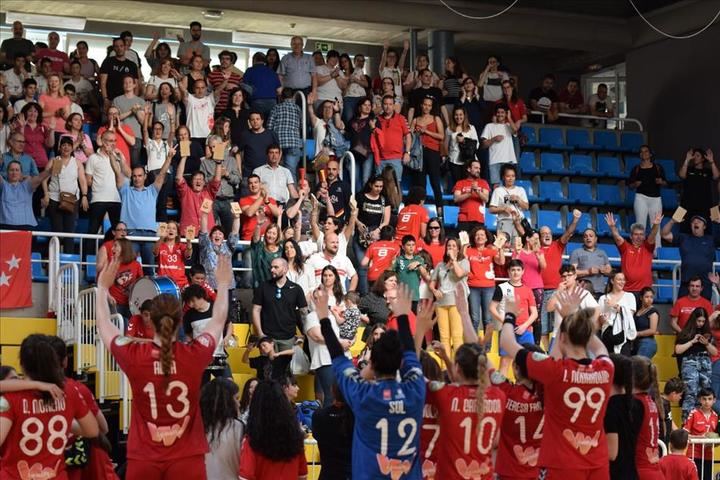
(303, 128)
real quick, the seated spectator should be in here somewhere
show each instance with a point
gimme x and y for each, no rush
(285, 120)
(699, 173)
(591, 263)
(223, 80)
(38, 137)
(229, 181)
(29, 93)
(391, 139)
(600, 104)
(42, 75)
(471, 195)
(297, 68)
(254, 144)
(277, 180)
(617, 312)
(685, 305)
(635, 256)
(113, 70)
(200, 108)
(251, 204)
(213, 245)
(263, 250)
(124, 138)
(16, 191)
(104, 254)
(131, 111)
(330, 256)
(491, 81)
(265, 84)
(192, 196)
(646, 323)
(15, 153)
(497, 137)
(544, 99)
(66, 187)
(571, 100)
(140, 326)
(646, 178)
(171, 254)
(166, 73)
(509, 201)
(328, 129)
(127, 274)
(198, 277)
(413, 218)
(82, 145)
(423, 91)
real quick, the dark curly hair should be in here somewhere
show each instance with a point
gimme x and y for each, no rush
(218, 406)
(272, 418)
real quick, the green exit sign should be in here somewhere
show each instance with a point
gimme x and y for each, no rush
(324, 47)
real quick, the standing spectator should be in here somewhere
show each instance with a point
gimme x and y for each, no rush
(460, 153)
(646, 324)
(67, 180)
(357, 83)
(272, 59)
(224, 80)
(82, 145)
(694, 347)
(544, 99)
(391, 67)
(591, 262)
(195, 47)
(419, 94)
(195, 73)
(113, 70)
(224, 431)
(238, 113)
(517, 113)
(330, 256)
(497, 137)
(28, 168)
(86, 96)
(699, 173)
(297, 271)
(433, 242)
(254, 144)
(5, 129)
(508, 201)
(171, 254)
(413, 218)
(471, 194)
(297, 68)
(430, 127)
(15, 78)
(332, 427)
(451, 82)
(477, 111)
(89, 68)
(331, 225)
(601, 105)
(16, 191)
(391, 139)
(491, 80)
(410, 268)
(387, 87)
(17, 46)
(335, 192)
(647, 178)
(285, 120)
(59, 59)
(55, 105)
(445, 277)
(230, 180)
(264, 250)
(43, 72)
(684, 306)
(156, 150)
(278, 180)
(413, 79)
(533, 258)
(157, 52)
(635, 256)
(192, 196)
(265, 84)
(213, 246)
(258, 200)
(373, 215)
(199, 107)
(571, 100)
(166, 74)
(105, 198)
(131, 54)
(277, 306)
(124, 136)
(616, 320)
(328, 128)
(35, 136)
(127, 273)
(131, 109)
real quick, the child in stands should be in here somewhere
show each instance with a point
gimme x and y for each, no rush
(702, 423)
(140, 326)
(676, 465)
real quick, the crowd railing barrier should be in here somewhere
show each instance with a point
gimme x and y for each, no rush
(712, 442)
(620, 121)
(348, 155)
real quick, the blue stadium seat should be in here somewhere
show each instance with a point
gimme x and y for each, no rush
(431, 210)
(553, 137)
(603, 230)
(669, 198)
(552, 163)
(571, 247)
(551, 192)
(609, 195)
(451, 215)
(610, 250)
(581, 194)
(310, 148)
(38, 274)
(664, 291)
(581, 165)
(670, 168)
(490, 221)
(529, 190)
(82, 225)
(527, 164)
(629, 197)
(667, 253)
(580, 139)
(66, 258)
(631, 141)
(90, 270)
(606, 140)
(107, 225)
(609, 167)
(630, 163)
(584, 223)
(717, 256)
(552, 220)
(531, 136)
(431, 196)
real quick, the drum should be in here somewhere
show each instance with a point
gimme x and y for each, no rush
(147, 288)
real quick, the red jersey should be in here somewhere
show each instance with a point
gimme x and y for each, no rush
(575, 394)
(428, 441)
(636, 264)
(472, 209)
(35, 445)
(171, 263)
(678, 467)
(409, 220)
(381, 255)
(191, 201)
(524, 300)
(698, 424)
(393, 325)
(684, 306)
(254, 466)
(138, 329)
(482, 273)
(108, 246)
(436, 251)
(248, 223)
(521, 431)
(125, 278)
(553, 259)
(165, 422)
(647, 456)
(465, 453)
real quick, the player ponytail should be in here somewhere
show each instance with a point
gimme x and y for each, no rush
(578, 326)
(483, 382)
(165, 314)
(471, 363)
(623, 378)
(645, 379)
(40, 362)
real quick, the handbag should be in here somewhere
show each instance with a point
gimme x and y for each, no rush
(468, 147)
(67, 202)
(416, 154)
(300, 363)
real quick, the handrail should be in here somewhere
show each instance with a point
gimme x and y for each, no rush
(591, 117)
(349, 155)
(303, 128)
(53, 265)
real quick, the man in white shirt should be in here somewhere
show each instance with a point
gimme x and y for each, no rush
(277, 179)
(15, 77)
(200, 110)
(497, 137)
(330, 256)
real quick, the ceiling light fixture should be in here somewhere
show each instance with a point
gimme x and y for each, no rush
(42, 20)
(213, 14)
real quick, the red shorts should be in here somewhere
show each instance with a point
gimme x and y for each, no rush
(599, 473)
(190, 467)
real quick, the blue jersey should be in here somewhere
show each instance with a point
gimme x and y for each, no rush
(388, 419)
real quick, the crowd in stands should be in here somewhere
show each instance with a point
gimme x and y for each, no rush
(204, 160)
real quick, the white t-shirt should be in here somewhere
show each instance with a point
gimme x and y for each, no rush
(157, 81)
(319, 354)
(454, 147)
(498, 199)
(83, 90)
(200, 115)
(13, 82)
(223, 459)
(305, 279)
(103, 187)
(355, 89)
(342, 264)
(342, 242)
(156, 154)
(588, 301)
(622, 321)
(396, 75)
(276, 180)
(319, 132)
(595, 101)
(502, 151)
(329, 90)
(492, 90)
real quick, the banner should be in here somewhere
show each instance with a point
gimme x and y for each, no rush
(15, 271)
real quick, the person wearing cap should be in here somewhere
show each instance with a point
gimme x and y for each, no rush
(697, 252)
(265, 85)
(225, 80)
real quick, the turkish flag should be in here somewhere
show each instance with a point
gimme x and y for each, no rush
(15, 276)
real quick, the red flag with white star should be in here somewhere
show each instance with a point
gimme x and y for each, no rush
(15, 276)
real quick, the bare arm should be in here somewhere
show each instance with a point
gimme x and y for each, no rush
(106, 329)
(257, 325)
(223, 276)
(568, 233)
(160, 179)
(666, 232)
(180, 170)
(610, 219)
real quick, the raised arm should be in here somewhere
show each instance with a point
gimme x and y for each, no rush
(118, 168)
(38, 179)
(106, 329)
(180, 170)
(570, 230)
(610, 219)
(160, 179)
(655, 227)
(666, 232)
(223, 277)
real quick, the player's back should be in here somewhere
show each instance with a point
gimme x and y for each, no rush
(409, 221)
(429, 437)
(677, 466)
(647, 456)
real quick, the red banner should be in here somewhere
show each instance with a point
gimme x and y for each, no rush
(15, 275)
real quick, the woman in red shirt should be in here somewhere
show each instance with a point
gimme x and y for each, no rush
(434, 241)
(105, 254)
(432, 133)
(38, 137)
(171, 255)
(271, 418)
(128, 272)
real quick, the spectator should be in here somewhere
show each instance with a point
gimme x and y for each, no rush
(254, 144)
(104, 254)
(15, 78)
(433, 243)
(5, 130)
(676, 464)
(646, 324)
(423, 91)
(445, 277)
(82, 145)
(28, 168)
(571, 100)
(621, 421)
(192, 196)
(272, 59)
(332, 427)
(277, 180)
(156, 52)
(698, 172)
(29, 93)
(17, 46)
(391, 139)
(134, 213)
(568, 284)
(199, 107)
(591, 263)
(387, 88)
(477, 111)
(413, 218)
(373, 215)
(131, 54)
(517, 112)
(43, 72)
(334, 192)
(491, 81)
(297, 271)
(330, 255)
(213, 246)
(461, 142)
(264, 250)
(140, 326)
(195, 47)
(171, 254)
(164, 110)
(105, 198)
(497, 137)
(269, 365)
(545, 100)
(37, 136)
(635, 256)
(391, 67)
(357, 83)
(197, 152)
(89, 68)
(379, 256)
(156, 150)
(72, 96)
(601, 105)
(113, 70)
(124, 136)
(195, 73)
(411, 268)
(430, 127)
(224, 80)
(508, 201)
(413, 79)
(55, 105)
(166, 74)
(332, 225)
(252, 204)
(647, 178)
(67, 185)
(59, 59)
(229, 181)
(16, 191)
(128, 272)
(451, 82)
(238, 113)
(285, 121)
(265, 84)
(471, 195)
(694, 347)
(374, 304)
(131, 111)
(532, 255)
(328, 129)
(616, 320)
(297, 68)
(224, 431)
(684, 306)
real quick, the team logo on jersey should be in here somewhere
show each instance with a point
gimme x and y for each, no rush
(203, 340)
(167, 435)
(526, 456)
(122, 340)
(428, 469)
(472, 470)
(539, 357)
(4, 404)
(399, 394)
(581, 442)
(36, 471)
(436, 386)
(394, 467)
(387, 394)
(497, 378)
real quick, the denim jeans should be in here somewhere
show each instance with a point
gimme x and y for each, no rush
(348, 110)
(480, 298)
(264, 106)
(647, 347)
(696, 373)
(364, 168)
(145, 249)
(291, 159)
(324, 379)
(362, 271)
(547, 319)
(715, 383)
(397, 165)
(495, 174)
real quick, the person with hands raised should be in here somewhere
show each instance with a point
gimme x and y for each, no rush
(193, 196)
(213, 246)
(699, 173)
(636, 256)
(171, 254)
(166, 433)
(447, 274)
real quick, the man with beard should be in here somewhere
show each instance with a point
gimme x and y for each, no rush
(112, 72)
(471, 194)
(329, 256)
(194, 47)
(336, 191)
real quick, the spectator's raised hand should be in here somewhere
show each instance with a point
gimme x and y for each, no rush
(709, 155)
(689, 155)
(714, 278)
(610, 220)
(106, 279)
(320, 300)
(425, 317)
(658, 218)
(402, 304)
(577, 214)
(570, 300)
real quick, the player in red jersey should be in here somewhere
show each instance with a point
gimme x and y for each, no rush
(167, 439)
(430, 427)
(575, 392)
(413, 218)
(675, 465)
(379, 255)
(647, 455)
(522, 427)
(34, 426)
(171, 255)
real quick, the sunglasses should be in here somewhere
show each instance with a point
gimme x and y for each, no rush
(434, 228)
(278, 293)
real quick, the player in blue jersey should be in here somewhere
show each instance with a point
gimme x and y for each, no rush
(388, 413)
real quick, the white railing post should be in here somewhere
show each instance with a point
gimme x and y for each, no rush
(85, 327)
(53, 266)
(107, 364)
(704, 442)
(67, 289)
(349, 155)
(303, 130)
(620, 121)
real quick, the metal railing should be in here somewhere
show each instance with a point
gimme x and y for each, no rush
(712, 443)
(85, 330)
(66, 294)
(110, 376)
(351, 157)
(303, 107)
(620, 121)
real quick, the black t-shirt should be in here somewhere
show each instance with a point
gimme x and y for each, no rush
(270, 369)
(192, 316)
(370, 212)
(254, 148)
(419, 94)
(477, 113)
(238, 123)
(340, 194)
(280, 306)
(625, 421)
(14, 47)
(116, 70)
(647, 177)
(698, 189)
(642, 322)
(332, 428)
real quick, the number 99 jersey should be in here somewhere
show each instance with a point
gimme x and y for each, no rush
(35, 445)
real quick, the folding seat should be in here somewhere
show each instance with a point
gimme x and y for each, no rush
(609, 167)
(610, 250)
(584, 223)
(552, 163)
(552, 220)
(609, 195)
(531, 136)
(553, 137)
(551, 192)
(450, 213)
(666, 253)
(579, 138)
(529, 190)
(630, 164)
(606, 140)
(664, 291)
(631, 141)
(527, 164)
(581, 165)
(581, 194)
(670, 168)
(38, 275)
(669, 198)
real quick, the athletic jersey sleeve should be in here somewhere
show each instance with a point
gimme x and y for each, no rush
(542, 367)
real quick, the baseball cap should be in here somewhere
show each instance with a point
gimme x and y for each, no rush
(699, 217)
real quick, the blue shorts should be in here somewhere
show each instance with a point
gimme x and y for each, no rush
(526, 337)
